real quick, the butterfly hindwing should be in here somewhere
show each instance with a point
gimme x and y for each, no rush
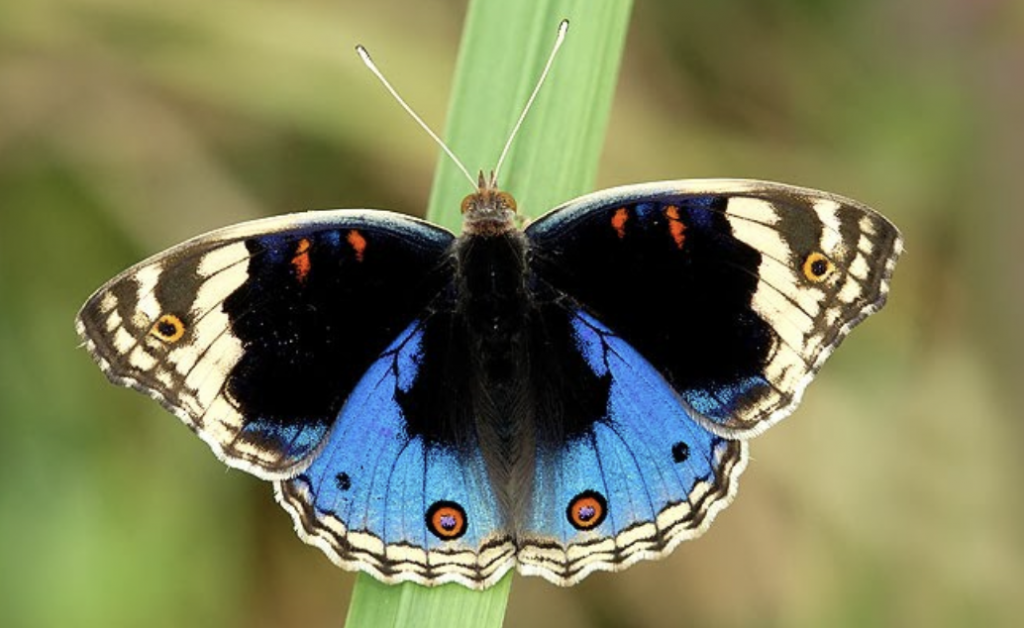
(398, 503)
(736, 291)
(644, 476)
(254, 335)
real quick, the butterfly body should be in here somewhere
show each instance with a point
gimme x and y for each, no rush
(571, 397)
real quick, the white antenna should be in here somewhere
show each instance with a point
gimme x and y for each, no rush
(563, 26)
(365, 56)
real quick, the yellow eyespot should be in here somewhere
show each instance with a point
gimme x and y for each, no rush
(818, 268)
(168, 328)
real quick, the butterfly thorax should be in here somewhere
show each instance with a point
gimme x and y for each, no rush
(491, 276)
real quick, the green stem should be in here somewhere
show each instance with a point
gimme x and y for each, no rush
(555, 157)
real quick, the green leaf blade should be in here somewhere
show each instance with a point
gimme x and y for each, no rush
(555, 157)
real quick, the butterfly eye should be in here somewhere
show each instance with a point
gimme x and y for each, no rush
(446, 520)
(467, 203)
(506, 201)
(168, 328)
(587, 510)
(817, 267)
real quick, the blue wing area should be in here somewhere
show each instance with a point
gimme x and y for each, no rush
(643, 478)
(397, 506)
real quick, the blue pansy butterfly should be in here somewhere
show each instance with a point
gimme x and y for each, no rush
(568, 398)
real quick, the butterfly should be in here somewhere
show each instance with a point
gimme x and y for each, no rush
(570, 397)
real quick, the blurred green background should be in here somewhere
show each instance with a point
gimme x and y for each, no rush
(892, 497)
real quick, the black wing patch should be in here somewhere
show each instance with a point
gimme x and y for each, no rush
(735, 291)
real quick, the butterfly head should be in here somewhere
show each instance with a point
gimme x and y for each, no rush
(488, 211)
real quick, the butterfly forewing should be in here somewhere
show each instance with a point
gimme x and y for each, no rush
(736, 291)
(254, 335)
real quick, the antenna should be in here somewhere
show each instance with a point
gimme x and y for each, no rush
(365, 56)
(563, 27)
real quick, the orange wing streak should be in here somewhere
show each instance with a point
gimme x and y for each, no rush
(358, 243)
(301, 260)
(676, 227)
(619, 221)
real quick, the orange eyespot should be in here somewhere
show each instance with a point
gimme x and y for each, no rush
(817, 267)
(168, 328)
(587, 510)
(446, 520)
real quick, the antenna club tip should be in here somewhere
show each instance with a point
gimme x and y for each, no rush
(563, 25)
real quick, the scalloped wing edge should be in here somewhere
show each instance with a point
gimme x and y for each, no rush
(399, 562)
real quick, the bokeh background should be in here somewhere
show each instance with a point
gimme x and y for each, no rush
(892, 497)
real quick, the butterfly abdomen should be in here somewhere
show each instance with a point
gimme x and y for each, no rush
(494, 305)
